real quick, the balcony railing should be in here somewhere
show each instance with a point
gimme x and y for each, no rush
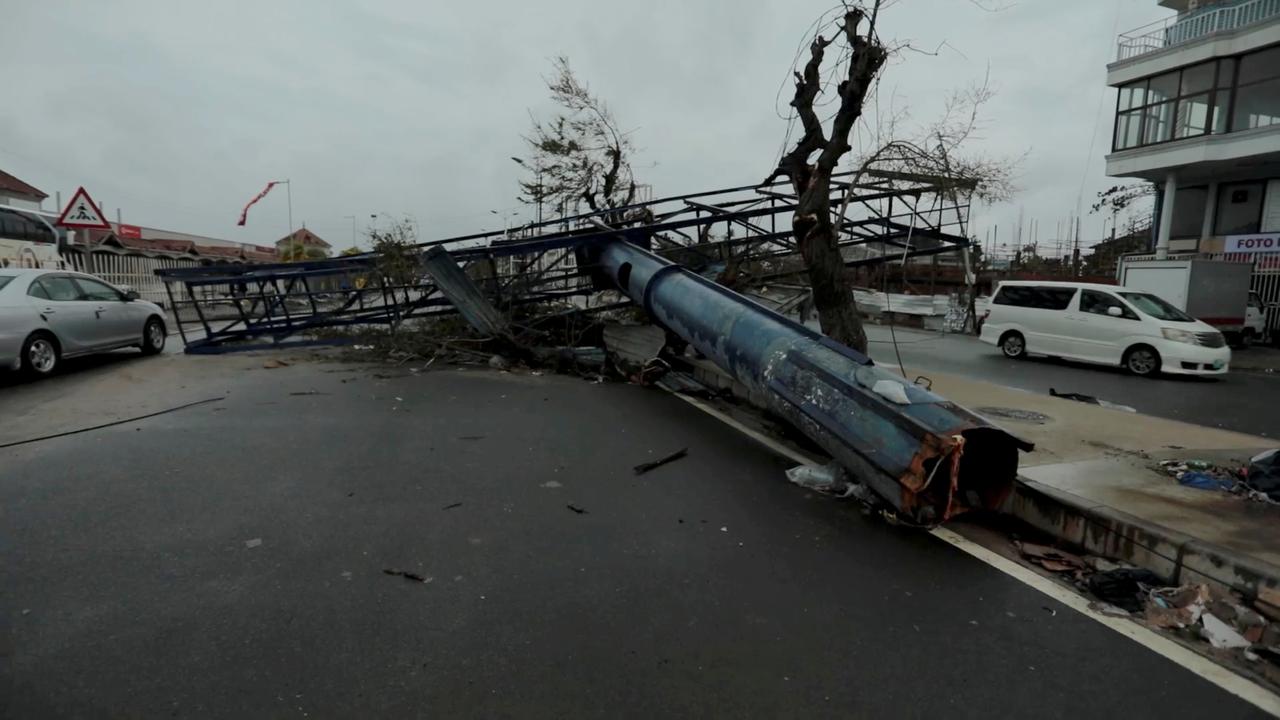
(1194, 25)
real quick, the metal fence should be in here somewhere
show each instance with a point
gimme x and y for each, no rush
(1195, 25)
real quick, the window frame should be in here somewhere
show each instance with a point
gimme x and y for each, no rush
(83, 284)
(1225, 86)
(1128, 314)
(49, 296)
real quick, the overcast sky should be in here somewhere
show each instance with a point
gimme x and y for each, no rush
(179, 111)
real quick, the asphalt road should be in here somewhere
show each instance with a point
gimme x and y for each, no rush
(228, 561)
(1240, 401)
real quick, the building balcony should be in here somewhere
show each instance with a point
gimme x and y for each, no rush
(1193, 25)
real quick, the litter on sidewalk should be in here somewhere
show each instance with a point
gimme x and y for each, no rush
(1259, 482)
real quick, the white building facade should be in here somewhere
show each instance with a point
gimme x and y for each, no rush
(1198, 115)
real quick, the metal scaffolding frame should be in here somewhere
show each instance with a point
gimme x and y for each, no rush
(892, 217)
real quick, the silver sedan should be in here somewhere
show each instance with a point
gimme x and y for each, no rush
(48, 315)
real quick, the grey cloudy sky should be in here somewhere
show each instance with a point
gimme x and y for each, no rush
(179, 111)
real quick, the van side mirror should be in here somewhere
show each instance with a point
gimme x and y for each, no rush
(131, 296)
(1115, 311)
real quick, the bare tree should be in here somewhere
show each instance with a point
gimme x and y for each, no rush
(579, 155)
(812, 225)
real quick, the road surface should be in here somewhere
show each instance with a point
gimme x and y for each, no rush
(1240, 401)
(228, 561)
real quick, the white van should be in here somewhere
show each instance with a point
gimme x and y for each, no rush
(1102, 324)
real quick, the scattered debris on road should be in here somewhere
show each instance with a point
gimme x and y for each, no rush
(1091, 400)
(255, 542)
(113, 423)
(1026, 416)
(454, 506)
(643, 468)
(275, 364)
(1052, 559)
(396, 572)
(576, 509)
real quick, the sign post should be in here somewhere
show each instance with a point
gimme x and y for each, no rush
(82, 212)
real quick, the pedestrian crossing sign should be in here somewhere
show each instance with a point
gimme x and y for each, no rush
(82, 212)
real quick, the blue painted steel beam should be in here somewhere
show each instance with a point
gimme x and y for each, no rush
(931, 459)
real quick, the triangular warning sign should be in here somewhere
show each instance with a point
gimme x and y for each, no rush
(82, 212)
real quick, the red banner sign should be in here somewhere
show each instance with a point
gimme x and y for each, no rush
(133, 232)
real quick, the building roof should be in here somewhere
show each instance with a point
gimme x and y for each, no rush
(303, 237)
(14, 186)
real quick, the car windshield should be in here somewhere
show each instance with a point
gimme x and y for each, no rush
(4, 280)
(1156, 308)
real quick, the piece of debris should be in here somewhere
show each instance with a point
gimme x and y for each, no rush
(551, 484)
(831, 480)
(891, 390)
(308, 392)
(646, 467)
(1051, 611)
(407, 575)
(575, 508)
(1176, 607)
(274, 364)
(1109, 610)
(1205, 481)
(471, 438)
(1090, 400)
(1219, 634)
(361, 347)
(1125, 587)
(1052, 559)
(1264, 474)
(497, 362)
(1268, 602)
(253, 543)
(1004, 413)
(452, 507)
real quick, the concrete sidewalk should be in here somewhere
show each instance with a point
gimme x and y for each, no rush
(1096, 474)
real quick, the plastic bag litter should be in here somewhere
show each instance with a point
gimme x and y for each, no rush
(1264, 473)
(892, 391)
(830, 480)
(1126, 588)
(1205, 481)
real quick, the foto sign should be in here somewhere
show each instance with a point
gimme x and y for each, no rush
(1256, 243)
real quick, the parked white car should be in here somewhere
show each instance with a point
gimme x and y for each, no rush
(48, 315)
(1102, 324)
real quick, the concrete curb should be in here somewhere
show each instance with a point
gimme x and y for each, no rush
(1098, 529)
(1103, 530)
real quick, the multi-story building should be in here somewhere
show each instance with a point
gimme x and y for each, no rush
(1198, 115)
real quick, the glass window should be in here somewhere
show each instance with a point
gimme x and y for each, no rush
(96, 290)
(1098, 303)
(1262, 65)
(1043, 298)
(1257, 105)
(1193, 116)
(1226, 73)
(60, 288)
(1159, 123)
(4, 280)
(1197, 78)
(1221, 105)
(1132, 96)
(1163, 87)
(1128, 129)
(1155, 307)
(1188, 212)
(1239, 209)
(36, 290)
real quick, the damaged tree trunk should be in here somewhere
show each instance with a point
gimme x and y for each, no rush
(812, 226)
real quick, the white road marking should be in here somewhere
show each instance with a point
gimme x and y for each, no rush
(1237, 685)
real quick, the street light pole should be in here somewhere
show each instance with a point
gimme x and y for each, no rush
(352, 218)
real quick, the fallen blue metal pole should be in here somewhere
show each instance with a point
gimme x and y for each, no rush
(928, 457)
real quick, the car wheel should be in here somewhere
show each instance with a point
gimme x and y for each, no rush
(40, 354)
(153, 337)
(1142, 361)
(1013, 345)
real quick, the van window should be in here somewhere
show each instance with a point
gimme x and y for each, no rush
(1042, 298)
(1092, 301)
(4, 280)
(1156, 308)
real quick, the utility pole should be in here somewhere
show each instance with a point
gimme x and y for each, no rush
(352, 218)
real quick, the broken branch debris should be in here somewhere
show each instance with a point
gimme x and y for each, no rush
(643, 468)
